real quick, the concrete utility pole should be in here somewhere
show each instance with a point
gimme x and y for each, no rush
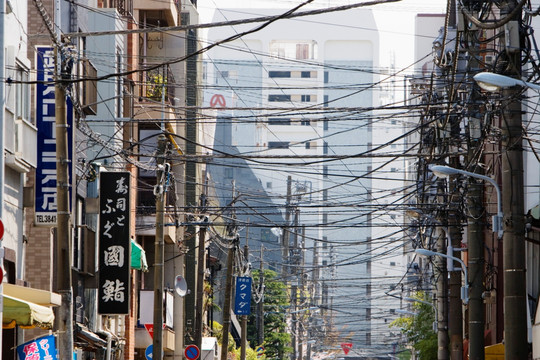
(227, 302)
(286, 234)
(63, 217)
(201, 268)
(294, 290)
(260, 305)
(475, 233)
(442, 298)
(515, 290)
(2, 142)
(159, 262)
(245, 317)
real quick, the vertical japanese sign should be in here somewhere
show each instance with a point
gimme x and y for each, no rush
(43, 348)
(242, 298)
(114, 243)
(45, 182)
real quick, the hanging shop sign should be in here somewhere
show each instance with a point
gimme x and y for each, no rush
(114, 243)
(46, 175)
(242, 299)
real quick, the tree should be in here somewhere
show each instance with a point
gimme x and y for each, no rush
(276, 338)
(419, 328)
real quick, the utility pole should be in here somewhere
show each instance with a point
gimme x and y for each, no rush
(476, 268)
(2, 145)
(159, 263)
(260, 305)
(515, 290)
(286, 234)
(245, 317)
(442, 299)
(201, 268)
(227, 302)
(63, 217)
(229, 281)
(294, 290)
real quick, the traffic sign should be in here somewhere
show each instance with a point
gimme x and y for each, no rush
(149, 352)
(1, 229)
(192, 352)
(150, 329)
(242, 299)
(346, 347)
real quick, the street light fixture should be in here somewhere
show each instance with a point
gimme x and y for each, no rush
(464, 288)
(446, 171)
(494, 82)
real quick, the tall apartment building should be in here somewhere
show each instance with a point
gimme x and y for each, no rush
(298, 97)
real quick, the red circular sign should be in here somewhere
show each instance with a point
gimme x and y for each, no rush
(192, 352)
(1, 229)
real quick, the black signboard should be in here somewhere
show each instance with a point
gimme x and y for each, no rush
(114, 243)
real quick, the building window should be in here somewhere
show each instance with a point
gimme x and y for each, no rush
(305, 122)
(279, 74)
(306, 74)
(279, 97)
(326, 75)
(279, 121)
(325, 124)
(325, 171)
(325, 148)
(308, 145)
(22, 106)
(269, 185)
(325, 195)
(278, 144)
(325, 103)
(306, 98)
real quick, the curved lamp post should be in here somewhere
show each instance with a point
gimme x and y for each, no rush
(446, 171)
(464, 288)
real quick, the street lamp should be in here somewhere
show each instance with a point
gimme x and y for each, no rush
(464, 288)
(446, 171)
(493, 82)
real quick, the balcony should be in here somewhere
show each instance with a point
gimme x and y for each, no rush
(163, 10)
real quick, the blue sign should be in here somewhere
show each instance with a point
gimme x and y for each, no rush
(149, 352)
(242, 299)
(43, 348)
(46, 175)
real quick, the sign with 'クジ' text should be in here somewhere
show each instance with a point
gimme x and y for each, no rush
(114, 243)
(43, 348)
(242, 299)
(46, 175)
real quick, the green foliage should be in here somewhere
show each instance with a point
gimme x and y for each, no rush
(156, 84)
(218, 333)
(276, 300)
(250, 354)
(419, 328)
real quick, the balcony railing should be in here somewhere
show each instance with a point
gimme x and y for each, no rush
(124, 7)
(153, 82)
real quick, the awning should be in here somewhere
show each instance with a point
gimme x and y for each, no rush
(90, 340)
(36, 296)
(26, 314)
(138, 257)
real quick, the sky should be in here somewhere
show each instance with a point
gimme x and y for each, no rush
(395, 21)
